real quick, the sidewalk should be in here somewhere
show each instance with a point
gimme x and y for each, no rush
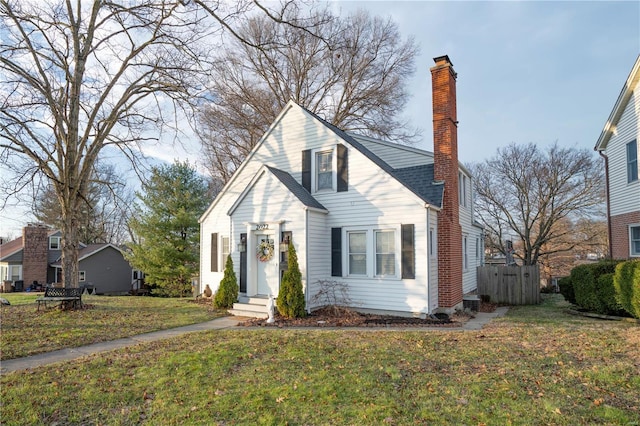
(17, 364)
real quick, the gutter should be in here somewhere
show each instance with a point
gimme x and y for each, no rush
(606, 175)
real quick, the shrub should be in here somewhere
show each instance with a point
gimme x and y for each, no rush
(606, 293)
(566, 289)
(227, 293)
(586, 287)
(290, 300)
(626, 282)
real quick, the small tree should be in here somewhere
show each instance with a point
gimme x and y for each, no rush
(227, 293)
(166, 225)
(291, 298)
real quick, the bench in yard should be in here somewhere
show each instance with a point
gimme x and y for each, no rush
(68, 297)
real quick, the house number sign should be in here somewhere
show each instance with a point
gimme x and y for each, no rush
(262, 226)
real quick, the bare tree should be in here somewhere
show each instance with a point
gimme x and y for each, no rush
(105, 213)
(526, 193)
(79, 76)
(351, 71)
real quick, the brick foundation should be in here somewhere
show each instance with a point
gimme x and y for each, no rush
(620, 233)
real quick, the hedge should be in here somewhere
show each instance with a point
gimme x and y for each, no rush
(626, 282)
(566, 289)
(592, 292)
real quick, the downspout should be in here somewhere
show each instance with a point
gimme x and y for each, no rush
(428, 262)
(606, 175)
(306, 259)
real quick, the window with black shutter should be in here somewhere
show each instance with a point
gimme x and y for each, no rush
(306, 169)
(343, 168)
(336, 252)
(214, 252)
(408, 252)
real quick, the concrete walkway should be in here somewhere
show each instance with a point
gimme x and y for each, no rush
(17, 364)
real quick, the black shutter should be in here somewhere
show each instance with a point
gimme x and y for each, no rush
(408, 252)
(306, 169)
(214, 252)
(243, 264)
(343, 168)
(336, 252)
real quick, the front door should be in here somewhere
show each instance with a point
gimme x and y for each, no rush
(267, 270)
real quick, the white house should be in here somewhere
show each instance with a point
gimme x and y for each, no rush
(391, 224)
(619, 145)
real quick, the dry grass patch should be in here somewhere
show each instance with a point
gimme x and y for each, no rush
(25, 331)
(537, 366)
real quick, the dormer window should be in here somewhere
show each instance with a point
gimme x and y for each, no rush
(54, 243)
(324, 170)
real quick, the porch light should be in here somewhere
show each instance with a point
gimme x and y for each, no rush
(242, 245)
(284, 245)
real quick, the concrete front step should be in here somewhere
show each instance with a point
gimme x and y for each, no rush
(255, 307)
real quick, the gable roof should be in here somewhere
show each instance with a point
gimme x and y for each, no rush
(425, 186)
(338, 132)
(289, 182)
(88, 251)
(619, 107)
(296, 189)
(421, 180)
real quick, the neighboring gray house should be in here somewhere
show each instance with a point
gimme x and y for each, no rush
(35, 257)
(104, 267)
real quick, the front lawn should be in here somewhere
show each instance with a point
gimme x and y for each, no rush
(25, 331)
(536, 366)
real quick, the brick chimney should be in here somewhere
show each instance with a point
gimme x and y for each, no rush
(445, 149)
(35, 253)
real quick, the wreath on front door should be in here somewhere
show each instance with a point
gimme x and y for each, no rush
(264, 251)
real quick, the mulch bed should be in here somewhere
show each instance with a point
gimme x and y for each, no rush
(342, 317)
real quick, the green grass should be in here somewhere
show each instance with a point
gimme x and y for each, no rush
(25, 331)
(536, 366)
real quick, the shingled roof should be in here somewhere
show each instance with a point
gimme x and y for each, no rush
(413, 178)
(296, 189)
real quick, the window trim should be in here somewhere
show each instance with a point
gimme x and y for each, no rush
(314, 169)
(394, 253)
(223, 255)
(82, 276)
(370, 252)
(631, 251)
(56, 238)
(465, 253)
(631, 171)
(348, 252)
(462, 188)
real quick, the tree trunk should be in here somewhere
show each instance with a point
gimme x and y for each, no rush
(70, 246)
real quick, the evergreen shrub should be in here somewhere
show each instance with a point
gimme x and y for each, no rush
(626, 282)
(587, 287)
(290, 301)
(227, 293)
(566, 289)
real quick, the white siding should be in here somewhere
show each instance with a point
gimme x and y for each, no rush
(270, 202)
(375, 200)
(396, 155)
(624, 197)
(319, 254)
(473, 234)
(433, 260)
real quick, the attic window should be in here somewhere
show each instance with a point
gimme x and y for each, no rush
(632, 161)
(324, 170)
(54, 243)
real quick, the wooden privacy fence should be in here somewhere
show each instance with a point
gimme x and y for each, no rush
(514, 285)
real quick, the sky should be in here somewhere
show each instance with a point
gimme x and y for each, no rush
(528, 71)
